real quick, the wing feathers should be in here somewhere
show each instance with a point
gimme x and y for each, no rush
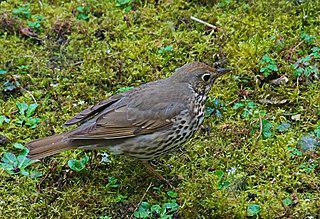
(93, 110)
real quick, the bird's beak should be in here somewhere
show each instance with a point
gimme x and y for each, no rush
(222, 71)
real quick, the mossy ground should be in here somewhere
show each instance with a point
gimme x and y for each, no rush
(74, 63)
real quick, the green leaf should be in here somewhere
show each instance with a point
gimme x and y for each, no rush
(294, 152)
(165, 49)
(35, 174)
(317, 131)
(263, 70)
(298, 72)
(266, 128)
(75, 165)
(23, 161)
(22, 107)
(7, 167)
(173, 206)
(253, 210)
(84, 160)
(2, 71)
(10, 85)
(237, 105)
(82, 16)
(34, 24)
(287, 201)
(127, 9)
(283, 127)
(219, 173)
(24, 172)
(32, 122)
(156, 208)
(251, 105)
(112, 182)
(19, 146)
(172, 194)
(78, 165)
(10, 159)
(25, 150)
(80, 8)
(22, 12)
(143, 211)
(4, 119)
(307, 38)
(121, 3)
(223, 184)
(31, 109)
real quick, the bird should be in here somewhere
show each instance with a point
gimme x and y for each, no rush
(145, 122)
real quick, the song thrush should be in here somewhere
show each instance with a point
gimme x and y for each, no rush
(144, 122)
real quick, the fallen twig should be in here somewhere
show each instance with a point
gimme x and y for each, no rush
(25, 90)
(203, 22)
(141, 199)
(260, 132)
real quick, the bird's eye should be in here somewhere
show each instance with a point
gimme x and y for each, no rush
(206, 77)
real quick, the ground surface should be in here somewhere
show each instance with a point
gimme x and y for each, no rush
(260, 157)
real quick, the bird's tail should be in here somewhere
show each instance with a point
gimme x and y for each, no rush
(48, 146)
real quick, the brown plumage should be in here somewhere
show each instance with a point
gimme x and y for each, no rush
(144, 122)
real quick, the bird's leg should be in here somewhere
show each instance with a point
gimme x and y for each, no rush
(154, 172)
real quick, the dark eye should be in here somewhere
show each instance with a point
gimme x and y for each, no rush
(206, 77)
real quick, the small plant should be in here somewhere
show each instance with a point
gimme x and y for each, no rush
(83, 12)
(25, 115)
(253, 210)
(213, 106)
(266, 129)
(283, 127)
(307, 38)
(112, 182)
(224, 3)
(294, 152)
(36, 26)
(121, 198)
(18, 164)
(23, 69)
(309, 166)
(287, 201)
(268, 65)
(78, 165)
(317, 131)
(9, 83)
(22, 12)
(4, 119)
(124, 4)
(165, 49)
(165, 211)
(2, 71)
(250, 109)
(222, 182)
(307, 65)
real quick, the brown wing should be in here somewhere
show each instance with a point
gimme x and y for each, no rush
(126, 122)
(88, 113)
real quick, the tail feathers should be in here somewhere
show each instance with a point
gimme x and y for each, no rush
(48, 146)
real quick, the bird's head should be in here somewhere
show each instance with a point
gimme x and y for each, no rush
(198, 75)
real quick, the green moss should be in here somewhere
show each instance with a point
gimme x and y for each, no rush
(73, 63)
